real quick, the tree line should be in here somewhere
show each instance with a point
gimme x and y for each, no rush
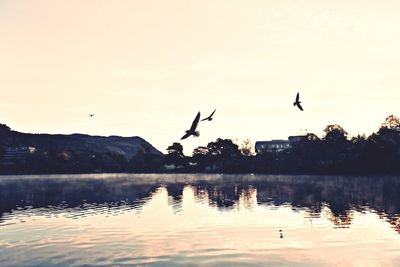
(333, 153)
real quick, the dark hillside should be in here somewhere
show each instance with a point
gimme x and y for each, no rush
(26, 153)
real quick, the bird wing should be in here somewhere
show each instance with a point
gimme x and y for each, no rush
(209, 117)
(297, 97)
(213, 113)
(185, 136)
(299, 106)
(195, 122)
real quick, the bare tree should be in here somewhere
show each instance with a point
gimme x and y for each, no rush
(246, 148)
(392, 122)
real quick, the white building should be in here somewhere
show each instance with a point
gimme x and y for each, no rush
(277, 145)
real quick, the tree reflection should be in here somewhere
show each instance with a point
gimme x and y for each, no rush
(334, 197)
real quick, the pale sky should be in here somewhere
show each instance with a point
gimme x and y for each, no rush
(146, 68)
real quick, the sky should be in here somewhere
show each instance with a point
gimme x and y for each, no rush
(145, 68)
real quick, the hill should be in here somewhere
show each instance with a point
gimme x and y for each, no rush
(85, 152)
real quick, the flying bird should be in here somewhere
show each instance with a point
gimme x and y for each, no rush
(209, 118)
(297, 102)
(91, 115)
(192, 130)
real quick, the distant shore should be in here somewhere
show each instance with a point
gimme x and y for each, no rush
(333, 154)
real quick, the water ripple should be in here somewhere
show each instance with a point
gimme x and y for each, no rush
(194, 220)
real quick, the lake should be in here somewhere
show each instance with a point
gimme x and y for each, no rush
(199, 220)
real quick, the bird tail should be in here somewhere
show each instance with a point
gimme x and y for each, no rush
(197, 133)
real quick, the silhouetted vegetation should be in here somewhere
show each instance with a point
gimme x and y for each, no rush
(175, 155)
(333, 153)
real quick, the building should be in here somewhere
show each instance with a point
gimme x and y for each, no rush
(296, 138)
(16, 155)
(277, 145)
(271, 146)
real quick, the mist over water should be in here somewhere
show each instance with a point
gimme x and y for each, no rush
(205, 220)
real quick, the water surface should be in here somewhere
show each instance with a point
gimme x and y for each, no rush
(199, 220)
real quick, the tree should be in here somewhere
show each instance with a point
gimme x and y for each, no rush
(389, 132)
(335, 133)
(246, 148)
(224, 155)
(175, 149)
(223, 148)
(391, 122)
(200, 151)
(335, 147)
(358, 139)
(201, 156)
(305, 155)
(175, 154)
(384, 147)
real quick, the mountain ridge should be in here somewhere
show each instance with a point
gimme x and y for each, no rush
(127, 147)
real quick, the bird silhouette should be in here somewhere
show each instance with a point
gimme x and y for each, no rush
(209, 118)
(192, 130)
(91, 115)
(297, 102)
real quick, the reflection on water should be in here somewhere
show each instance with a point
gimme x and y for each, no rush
(199, 220)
